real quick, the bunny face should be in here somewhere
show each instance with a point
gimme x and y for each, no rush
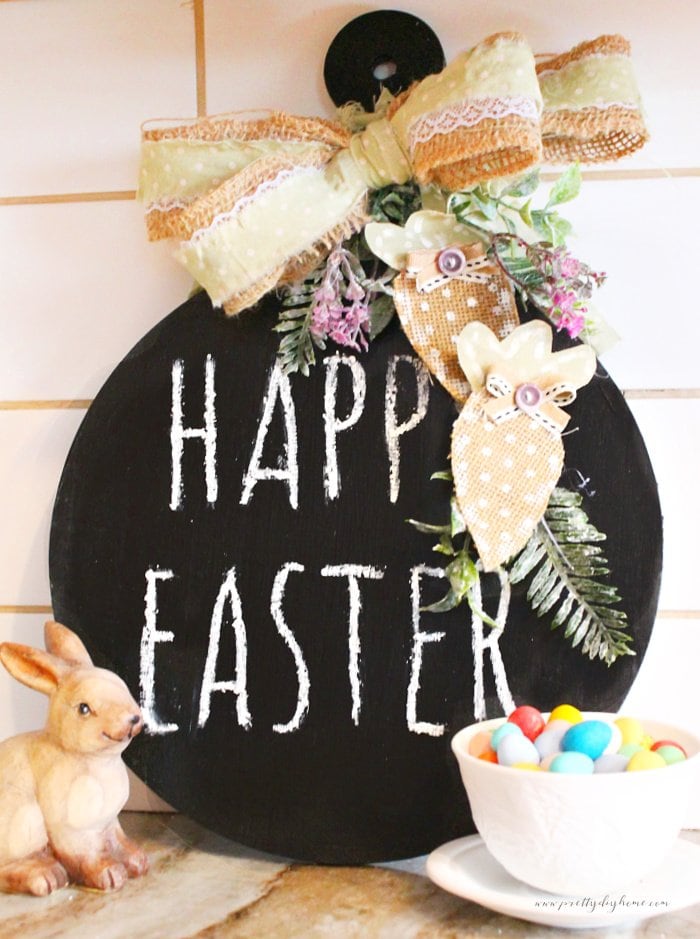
(92, 711)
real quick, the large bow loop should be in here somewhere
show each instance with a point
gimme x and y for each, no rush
(258, 202)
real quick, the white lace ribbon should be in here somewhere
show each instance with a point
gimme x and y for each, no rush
(469, 113)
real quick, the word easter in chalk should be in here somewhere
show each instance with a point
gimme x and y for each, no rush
(286, 472)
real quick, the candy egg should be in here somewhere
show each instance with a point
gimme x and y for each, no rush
(500, 732)
(549, 741)
(515, 748)
(668, 743)
(645, 759)
(629, 749)
(547, 761)
(488, 756)
(615, 740)
(589, 737)
(611, 763)
(670, 753)
(632, 730)
(528, 719)
(527, 766)
(479, 743)
(571, 762)
(566, 712)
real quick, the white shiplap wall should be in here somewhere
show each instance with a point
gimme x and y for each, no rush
(79, 285)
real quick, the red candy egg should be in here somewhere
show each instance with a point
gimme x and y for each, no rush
(528, 719)
(668, 743)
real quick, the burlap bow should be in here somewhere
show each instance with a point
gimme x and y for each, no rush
(255, 203)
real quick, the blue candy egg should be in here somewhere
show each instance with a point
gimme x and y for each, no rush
(588, 737)
(500, 732)
(516, 748)
(549, 741)
(572, 762)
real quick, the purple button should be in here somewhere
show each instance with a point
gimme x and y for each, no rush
(451, 261)
(527, 396)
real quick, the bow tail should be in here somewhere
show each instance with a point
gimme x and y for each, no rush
(269, 224)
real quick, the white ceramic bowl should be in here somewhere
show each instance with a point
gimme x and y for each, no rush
(579, 835)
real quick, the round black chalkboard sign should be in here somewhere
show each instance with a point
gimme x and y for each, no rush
(234, 544)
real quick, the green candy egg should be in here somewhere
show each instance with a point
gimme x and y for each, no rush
(671, 754)
(629, 749)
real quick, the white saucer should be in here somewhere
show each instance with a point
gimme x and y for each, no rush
(466, 868)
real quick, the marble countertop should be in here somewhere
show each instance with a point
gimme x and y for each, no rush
(204, 886)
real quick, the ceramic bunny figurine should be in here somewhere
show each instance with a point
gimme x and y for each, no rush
(62, 788)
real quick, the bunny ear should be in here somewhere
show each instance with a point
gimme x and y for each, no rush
(64, 643)
(39, 670)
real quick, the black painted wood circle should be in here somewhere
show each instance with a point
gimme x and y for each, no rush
(336, 790)
(384, 37)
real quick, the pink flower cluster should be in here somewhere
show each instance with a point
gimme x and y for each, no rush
(341, 303)
(568, 283)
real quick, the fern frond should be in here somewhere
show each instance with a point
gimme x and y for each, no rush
(567, 564)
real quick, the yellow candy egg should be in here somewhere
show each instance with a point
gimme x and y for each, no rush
(527, 766)
(480, 743)
(632, 731)
(647, 741)
(645, 759)
(566, 712)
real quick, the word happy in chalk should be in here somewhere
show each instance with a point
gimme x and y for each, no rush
(279, 391)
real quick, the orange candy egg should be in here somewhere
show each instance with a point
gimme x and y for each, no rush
(489, 756)
(480, 743)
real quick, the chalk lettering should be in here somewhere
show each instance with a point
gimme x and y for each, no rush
(285, 632)
(179, 433)
(393, 430)
(150, 636)
(419, 640)
(332, 423)
(238, 685)
(353, 572)
(278, 386)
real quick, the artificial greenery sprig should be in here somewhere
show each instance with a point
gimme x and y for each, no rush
(566, 565)
(462, 571)
(339, 301)
(494, 207)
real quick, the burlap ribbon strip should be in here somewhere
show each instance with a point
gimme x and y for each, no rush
(507, 452)
(255, 203)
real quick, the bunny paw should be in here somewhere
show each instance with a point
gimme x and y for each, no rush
(52, 877)
(136, 863)
(109, 876)
(40, 874)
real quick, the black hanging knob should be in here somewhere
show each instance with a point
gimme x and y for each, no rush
(383, 49)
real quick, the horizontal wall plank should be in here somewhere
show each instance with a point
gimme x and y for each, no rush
(108, 286)
(642, 235)
(81, 285)
(243, 41)
(78, 79)
(35, 446)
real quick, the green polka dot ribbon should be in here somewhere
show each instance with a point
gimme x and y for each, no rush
(254, 202)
